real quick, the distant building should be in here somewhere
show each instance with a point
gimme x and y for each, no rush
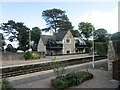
(62, 42)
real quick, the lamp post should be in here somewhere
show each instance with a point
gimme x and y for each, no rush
(93, 61)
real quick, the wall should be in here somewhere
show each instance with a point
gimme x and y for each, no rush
(41, 47)
(16, 56)
(68, 46)
(12, 56)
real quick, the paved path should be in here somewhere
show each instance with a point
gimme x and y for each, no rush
(6, 63)
(102, 78)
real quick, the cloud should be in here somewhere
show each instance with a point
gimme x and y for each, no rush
(106, 20)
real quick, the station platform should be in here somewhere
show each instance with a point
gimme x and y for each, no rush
(12, 63)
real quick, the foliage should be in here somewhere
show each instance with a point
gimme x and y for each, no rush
(10, 48)
(35, 56)
(58, 68)
(16, 31)
(101, 35)
(2, 42)
(75, 33)
(56, 19)
(115, 36)
(89, 44)
(6, 85)
(35, 36)
(52, 52)
(101, 48)
(27, 55)
(86, 29)
(71, 79)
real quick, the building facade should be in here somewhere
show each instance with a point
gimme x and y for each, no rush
(62, 42)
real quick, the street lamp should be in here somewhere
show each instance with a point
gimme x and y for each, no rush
(93, 61)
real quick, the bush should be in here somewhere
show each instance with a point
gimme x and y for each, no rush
(35, 56)
(27, 55)
(58, 68)
(101, 48)
(6, 85)
(71, 79)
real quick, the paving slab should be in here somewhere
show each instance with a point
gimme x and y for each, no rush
(102, 79)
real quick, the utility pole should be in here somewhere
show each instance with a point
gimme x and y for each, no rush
(30, 49)
(93, 61)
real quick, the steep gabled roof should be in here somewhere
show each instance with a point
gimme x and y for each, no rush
(60, 35)
(45, 38)
(57, 37)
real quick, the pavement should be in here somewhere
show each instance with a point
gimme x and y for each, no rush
(102, 77)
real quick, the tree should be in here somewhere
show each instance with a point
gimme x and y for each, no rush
(101, 35)
(115, 36)
(56, 19)
(16, 32)
(101, 38)
(75, 33)
(2, 42)
(86, 29)
(10, 48)
(35, 36)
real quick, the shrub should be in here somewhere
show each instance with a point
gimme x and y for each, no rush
(101, 48)
(58, 68)
(6, 85)
(27, 55)
(71, 79)
(35, 56)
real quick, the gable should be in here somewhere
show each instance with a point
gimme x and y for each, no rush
(41, 47)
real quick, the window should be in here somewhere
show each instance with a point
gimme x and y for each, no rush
(68, 40)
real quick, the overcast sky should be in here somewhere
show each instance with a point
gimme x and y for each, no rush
(100, 14)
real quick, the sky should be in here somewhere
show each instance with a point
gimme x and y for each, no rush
(100, 14)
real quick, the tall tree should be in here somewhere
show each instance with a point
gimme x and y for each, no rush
(16, 32)
(2, 42)
(56, 19)
(86, 29)
(101, 35)
(35, 36)
(75, 33)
